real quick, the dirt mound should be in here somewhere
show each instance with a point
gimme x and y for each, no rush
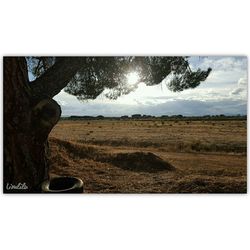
(65, 152)
(142, 162)
(75, 150)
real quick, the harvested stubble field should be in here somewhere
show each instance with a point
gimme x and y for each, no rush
(152, 156)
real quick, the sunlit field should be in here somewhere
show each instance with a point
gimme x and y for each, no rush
(152, 156)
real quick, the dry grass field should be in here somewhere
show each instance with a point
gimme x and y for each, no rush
(152, 156)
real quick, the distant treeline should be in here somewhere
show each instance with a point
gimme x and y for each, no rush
(163, 117)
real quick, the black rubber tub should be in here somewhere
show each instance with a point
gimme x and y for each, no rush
(62, 184)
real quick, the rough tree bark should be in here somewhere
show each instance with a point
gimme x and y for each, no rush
(29, 116)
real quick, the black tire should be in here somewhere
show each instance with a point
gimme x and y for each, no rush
(63, 184)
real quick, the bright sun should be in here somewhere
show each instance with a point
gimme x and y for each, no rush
(132, 78)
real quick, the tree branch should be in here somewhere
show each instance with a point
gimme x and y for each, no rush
(57, 77)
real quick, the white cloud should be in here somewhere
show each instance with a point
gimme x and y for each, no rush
(242, 81)
(240, 90)
(237, 91)
(224, 63)
(62, 102)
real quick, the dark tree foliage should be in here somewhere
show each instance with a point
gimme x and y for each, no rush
(98, 74)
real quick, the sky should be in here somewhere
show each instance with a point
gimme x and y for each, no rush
(223, 92)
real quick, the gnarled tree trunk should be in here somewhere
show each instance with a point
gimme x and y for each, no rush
(27, 123)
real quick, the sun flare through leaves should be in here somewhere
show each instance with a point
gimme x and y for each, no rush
(132, 78)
